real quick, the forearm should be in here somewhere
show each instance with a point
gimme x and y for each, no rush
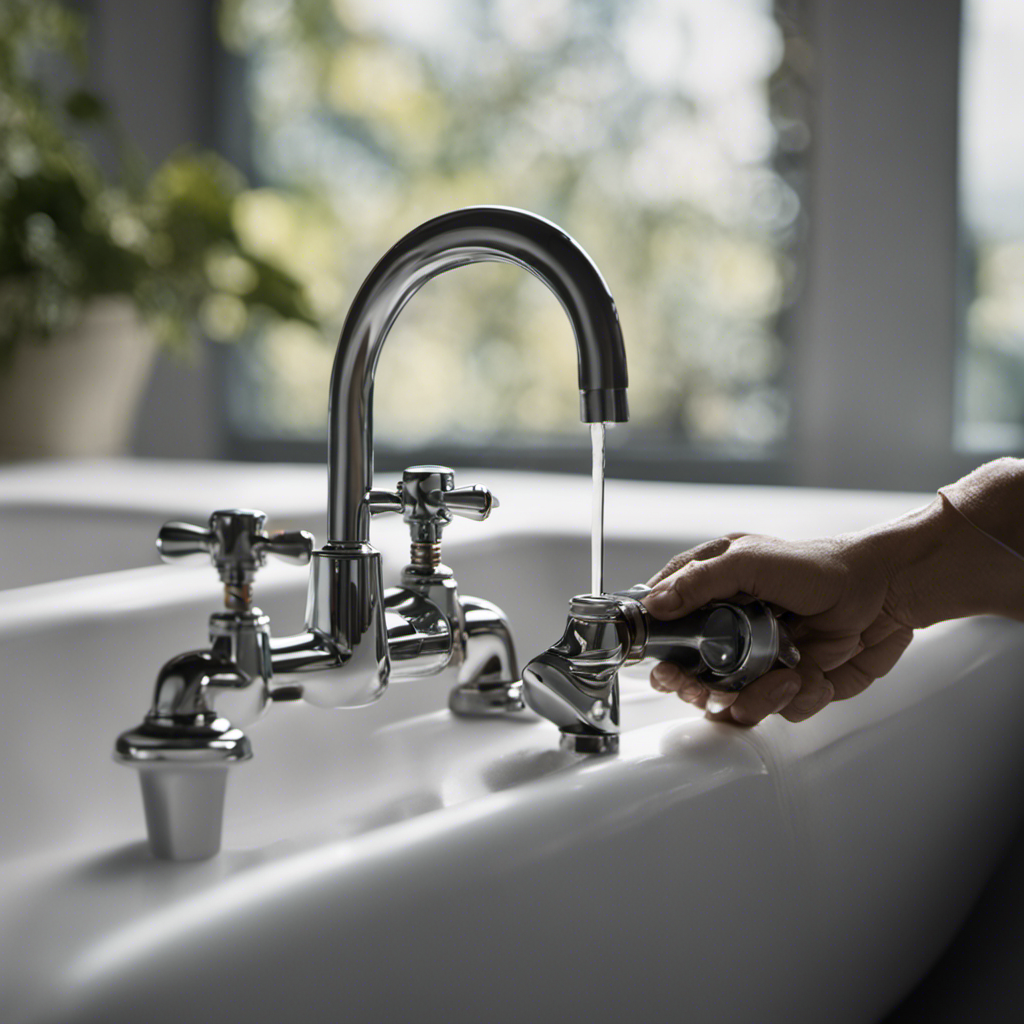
(959, 555)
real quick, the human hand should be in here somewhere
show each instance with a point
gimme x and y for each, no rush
(841, 613)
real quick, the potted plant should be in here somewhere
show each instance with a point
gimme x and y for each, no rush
(97, 269)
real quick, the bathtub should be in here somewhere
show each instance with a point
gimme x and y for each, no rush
(85, 517)
(395, 864)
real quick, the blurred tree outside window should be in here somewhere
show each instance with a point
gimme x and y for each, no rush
(991, 365)
(669, 137)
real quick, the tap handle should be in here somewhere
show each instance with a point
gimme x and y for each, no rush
(725, 644)
(384, 501)
(180, 540)
(471, 502)
(235, 542)
(427, 498)
(293, 546)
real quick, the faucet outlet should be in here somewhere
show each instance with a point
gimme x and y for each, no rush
(725, 645)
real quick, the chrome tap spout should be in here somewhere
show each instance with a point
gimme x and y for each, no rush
(473, 235)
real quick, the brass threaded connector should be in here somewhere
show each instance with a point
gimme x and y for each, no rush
(238, 598)
(424, 555)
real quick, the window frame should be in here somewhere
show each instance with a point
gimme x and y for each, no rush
(885, 238)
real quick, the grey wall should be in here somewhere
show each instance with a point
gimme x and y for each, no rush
(875, 368)
(155, 63)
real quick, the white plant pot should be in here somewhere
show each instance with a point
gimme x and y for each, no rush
(77, 394)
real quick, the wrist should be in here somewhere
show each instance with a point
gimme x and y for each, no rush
(938, 566)
(990, 499)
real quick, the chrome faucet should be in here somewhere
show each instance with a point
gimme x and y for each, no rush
(725, 645)
(358, 635)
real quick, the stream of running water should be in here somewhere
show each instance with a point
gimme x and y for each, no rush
(597, 431)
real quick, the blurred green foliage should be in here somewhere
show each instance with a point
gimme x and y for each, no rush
(69, 232)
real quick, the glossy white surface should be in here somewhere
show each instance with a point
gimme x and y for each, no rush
(394, 864)
(59, 520)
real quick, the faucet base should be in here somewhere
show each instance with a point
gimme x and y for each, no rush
(589, 742)
(184, 810)
(487, 700)
(183, 769)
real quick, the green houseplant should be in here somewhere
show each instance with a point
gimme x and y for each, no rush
(97, 268)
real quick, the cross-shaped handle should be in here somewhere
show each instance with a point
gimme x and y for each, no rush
(235, 542)
(428, 499)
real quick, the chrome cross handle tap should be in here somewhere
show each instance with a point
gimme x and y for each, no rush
(726, 645)
(430, 625)
(428, 500)
(192, 734)
(236, 544)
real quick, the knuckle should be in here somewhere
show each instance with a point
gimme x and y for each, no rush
(701, 573)
(711, 549)
(745, 543)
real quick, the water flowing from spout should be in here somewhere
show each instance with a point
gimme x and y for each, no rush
(597, 432)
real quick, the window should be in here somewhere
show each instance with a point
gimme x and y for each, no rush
(667, 136)
(991, 372)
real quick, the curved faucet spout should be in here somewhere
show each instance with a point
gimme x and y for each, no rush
(473, 235)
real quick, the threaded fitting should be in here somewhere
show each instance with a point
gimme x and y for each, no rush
(238, 598)
(424, 555)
